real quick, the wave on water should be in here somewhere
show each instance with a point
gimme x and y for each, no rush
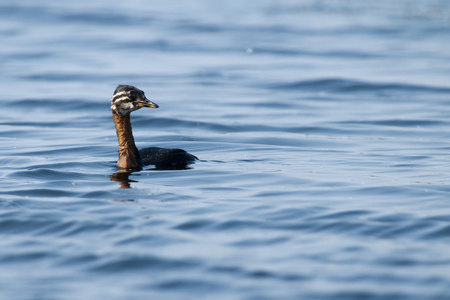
(339, 85)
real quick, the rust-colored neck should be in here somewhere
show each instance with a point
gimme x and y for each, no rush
(128, 153)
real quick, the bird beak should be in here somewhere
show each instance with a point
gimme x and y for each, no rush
(147, 103)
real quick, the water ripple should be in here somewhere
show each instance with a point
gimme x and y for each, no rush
(337, 85)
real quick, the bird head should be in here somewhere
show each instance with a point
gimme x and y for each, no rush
(128, 98)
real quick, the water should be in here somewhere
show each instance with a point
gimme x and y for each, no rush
(322, 133)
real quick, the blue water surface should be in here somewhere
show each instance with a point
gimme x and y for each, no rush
(322, 129)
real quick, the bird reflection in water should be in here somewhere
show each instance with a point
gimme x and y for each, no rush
(122, 176)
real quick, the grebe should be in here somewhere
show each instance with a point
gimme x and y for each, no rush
(126, 99)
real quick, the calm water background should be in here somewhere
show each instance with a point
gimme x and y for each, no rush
(322, 129)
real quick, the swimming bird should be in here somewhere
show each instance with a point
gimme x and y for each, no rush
(125, 100)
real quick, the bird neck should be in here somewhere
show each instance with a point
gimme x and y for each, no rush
(129, 157)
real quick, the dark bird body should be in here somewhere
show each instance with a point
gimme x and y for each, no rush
(164, 158)
(126, 99)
